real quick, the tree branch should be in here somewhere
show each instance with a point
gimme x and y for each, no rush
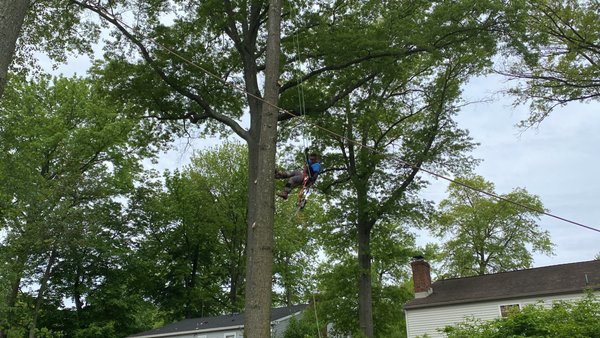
(328, 104)
(295, 82)
(235, 127)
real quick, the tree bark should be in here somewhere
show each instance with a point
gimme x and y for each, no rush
(12, 16)
(365, 288)
(286, 283)
(41, 292)
(261, 192)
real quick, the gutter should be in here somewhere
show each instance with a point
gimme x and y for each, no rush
(485, 299)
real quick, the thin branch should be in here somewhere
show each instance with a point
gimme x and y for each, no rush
(295, 82)
(286, 115)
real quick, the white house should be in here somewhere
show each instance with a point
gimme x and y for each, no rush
(450, 301)
(226, 326)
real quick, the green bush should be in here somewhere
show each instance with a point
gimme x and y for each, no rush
(562, 319)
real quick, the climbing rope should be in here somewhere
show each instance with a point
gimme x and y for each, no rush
(316, 315)
(300, 86)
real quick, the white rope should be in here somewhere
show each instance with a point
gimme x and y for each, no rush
(301, 99)
(316, 316)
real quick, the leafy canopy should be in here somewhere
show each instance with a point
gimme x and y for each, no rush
(485, 235)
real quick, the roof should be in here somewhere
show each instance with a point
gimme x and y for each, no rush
(549, 280)
(232, 321)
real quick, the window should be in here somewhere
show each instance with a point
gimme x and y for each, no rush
(506, 310)
(229, 335)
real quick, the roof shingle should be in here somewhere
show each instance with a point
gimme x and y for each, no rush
(216, 322)
(555, 279)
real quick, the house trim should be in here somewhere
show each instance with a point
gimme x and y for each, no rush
(486, 299)
(518, 305)
(286, 317)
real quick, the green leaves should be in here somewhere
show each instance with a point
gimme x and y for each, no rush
(191, 235)
(558, 56)
(577, 318)
(485, 235)
(67, 155)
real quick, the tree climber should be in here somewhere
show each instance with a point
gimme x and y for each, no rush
(306, 177)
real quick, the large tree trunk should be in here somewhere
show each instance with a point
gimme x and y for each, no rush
(261, 192)
(40, 296)
(12, 15)
(365, 289)
(364, 225)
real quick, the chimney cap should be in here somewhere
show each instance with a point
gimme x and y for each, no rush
(418, 258)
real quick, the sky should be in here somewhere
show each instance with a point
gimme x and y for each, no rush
(555, 161)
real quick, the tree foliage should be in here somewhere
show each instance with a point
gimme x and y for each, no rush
(386, 78)
(485, 235)
(53, 28)
(191, 235)
(558, 56)
(381, 136)
(297, 249)
(67, 155)
(237, 41)
(397, 51)
(338, 287)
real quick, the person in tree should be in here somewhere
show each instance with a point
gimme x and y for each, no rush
(296, 178)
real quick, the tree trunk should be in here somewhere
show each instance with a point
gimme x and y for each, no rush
(365, 290)
(11, 299)
(191, 285)
(236, 278)
(12, 15)
(77, 293)
(41, 291)
(261, 193)
(286, 283)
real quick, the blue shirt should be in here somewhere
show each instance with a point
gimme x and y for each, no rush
(315, 167)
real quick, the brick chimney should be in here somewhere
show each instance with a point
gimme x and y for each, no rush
(421, 277)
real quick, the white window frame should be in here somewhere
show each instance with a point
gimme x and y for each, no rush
(230, 335)
(508, 306)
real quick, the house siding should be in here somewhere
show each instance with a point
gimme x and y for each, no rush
(426, 321)
(280, 326)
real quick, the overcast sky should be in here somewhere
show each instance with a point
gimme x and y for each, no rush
(556, 161)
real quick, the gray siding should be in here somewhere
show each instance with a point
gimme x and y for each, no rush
(427, 320)
(278, 327)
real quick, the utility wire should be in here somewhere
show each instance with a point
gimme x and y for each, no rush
(243, 90)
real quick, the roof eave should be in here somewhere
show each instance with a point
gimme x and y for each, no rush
(487, 299)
